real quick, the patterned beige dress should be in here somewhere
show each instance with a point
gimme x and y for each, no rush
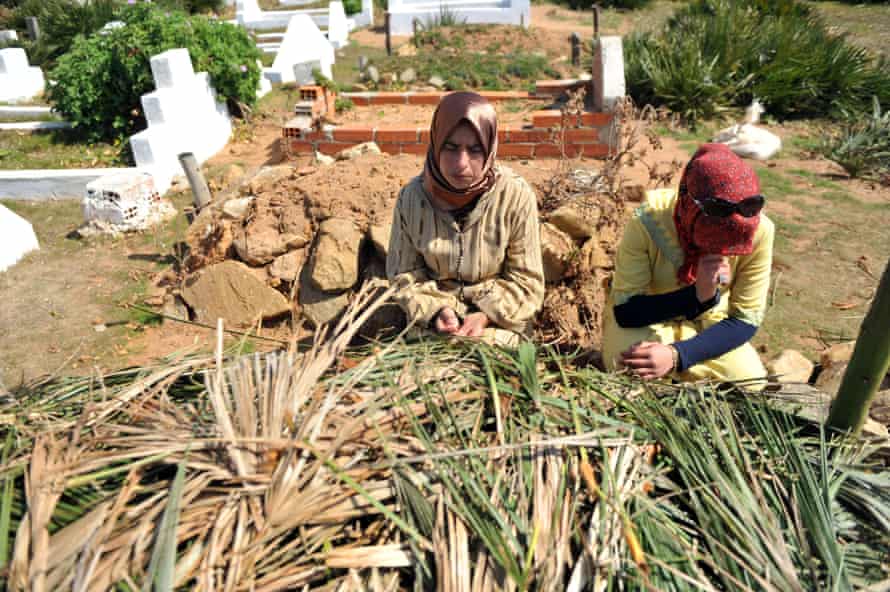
(490, 261)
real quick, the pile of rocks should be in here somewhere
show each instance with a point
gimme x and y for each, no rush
(263, 255)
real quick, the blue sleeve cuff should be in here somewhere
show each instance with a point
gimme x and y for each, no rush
(713, 342)
(643, 310)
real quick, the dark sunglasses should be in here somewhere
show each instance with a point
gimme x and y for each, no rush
(720, 208)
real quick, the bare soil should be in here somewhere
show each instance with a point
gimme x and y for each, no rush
(510, 113)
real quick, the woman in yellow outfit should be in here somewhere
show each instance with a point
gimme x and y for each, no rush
(692, 276)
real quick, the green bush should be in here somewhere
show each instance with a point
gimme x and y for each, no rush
(101, 79)
(60, 22)
(862, 146)
(352, 6)
(193, 6)
(715, 54)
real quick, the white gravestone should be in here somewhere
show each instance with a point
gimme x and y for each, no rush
(302, 43)
(504, 12)
(338, 28)
(608, 73)
(183, 116)
(17, 238)
(7, 35)
(18, 80)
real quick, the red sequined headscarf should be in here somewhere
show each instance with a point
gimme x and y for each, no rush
(714, 171)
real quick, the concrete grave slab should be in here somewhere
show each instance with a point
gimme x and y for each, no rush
(608, 73)
(504, 12)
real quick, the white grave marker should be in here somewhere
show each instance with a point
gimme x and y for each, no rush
(18, 80)
(183, 116)
(17, 238)
(302, 43)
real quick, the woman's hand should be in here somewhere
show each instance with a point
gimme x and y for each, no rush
(474, 325)
(649, 359)
(713, 270)
(447, 321)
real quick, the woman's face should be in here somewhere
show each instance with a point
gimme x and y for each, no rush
(462, 157)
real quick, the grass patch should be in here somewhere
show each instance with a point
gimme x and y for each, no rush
(814, 179)
(345, 69)
(54, 150)
(774, 184)
(867, 24)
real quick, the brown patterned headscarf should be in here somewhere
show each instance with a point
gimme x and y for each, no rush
(713, 171)
(454, 109)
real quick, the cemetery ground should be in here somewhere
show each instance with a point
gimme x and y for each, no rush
(69, 304)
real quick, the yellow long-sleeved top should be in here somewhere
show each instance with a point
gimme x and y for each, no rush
(646, 263)
(491, 262)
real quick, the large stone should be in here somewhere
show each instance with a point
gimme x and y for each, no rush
(260, 245)
(595, 254)
(229, 290)
(358, 150)
(268, 178)
(556, 250)
(237, 208)
(437, 82)
(791, 366)
(839, 353)
(379, 235)
(408, 76)
(578, 225)
(317, 306)
(287, 267)
(335, 259)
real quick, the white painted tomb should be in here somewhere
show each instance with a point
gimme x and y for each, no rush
(504, 12)
(7, 35)
(332, 20)
(183, 116)
(303, 42)
(18, 80)
(17, 238)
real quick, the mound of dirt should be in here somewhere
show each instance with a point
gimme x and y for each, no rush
(278, 224)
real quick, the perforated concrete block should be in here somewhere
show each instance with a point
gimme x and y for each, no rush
(172, 67)
(17, 238)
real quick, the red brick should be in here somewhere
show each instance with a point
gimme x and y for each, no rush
(425, 136)
(584, 134)
(596, 119)
(353, 134)
(529, 135)
(547, 151)
(502, 135)
(516, 150)
(390, 148)
(360, 100)
(333, 147)
(546, 118)
(504, 95)
(388, 98)
(299, 147)
(414, 148)
(396, 134)
(425, 98)
(313, 135)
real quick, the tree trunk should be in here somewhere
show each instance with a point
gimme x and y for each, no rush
(868, 366)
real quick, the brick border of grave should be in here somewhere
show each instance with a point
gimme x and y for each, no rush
(585, 135)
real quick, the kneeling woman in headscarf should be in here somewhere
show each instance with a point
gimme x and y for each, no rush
(465, 239)
(692, 275)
